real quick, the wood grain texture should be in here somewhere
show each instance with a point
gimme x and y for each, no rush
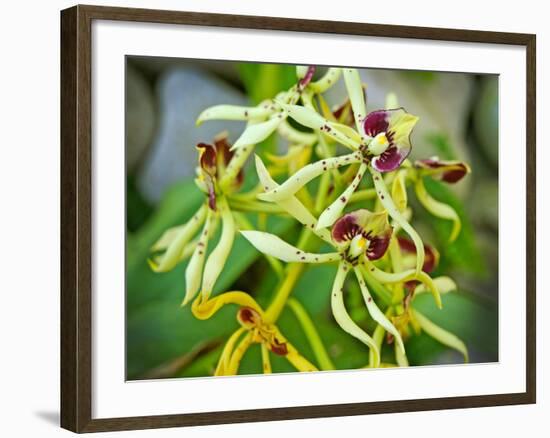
(76, 222)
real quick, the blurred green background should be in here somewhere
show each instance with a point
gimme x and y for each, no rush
(458, 120)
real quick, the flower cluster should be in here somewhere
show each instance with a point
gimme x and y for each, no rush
(357, 218)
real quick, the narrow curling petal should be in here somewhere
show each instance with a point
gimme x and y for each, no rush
(234, 112)
(291, 204)
(238, 353)
(438, 209)
(344, 320)
(443, 284)
(308, 173)
(356, 94)
(273, 245)
(440, 334)
(193, 273)
(334, 210)
(328, 80)
(218, 257)
(402, 277)
(255, 133)
(227, 352)
(312, 119)
(171, 257)
(396, 215)
(376, 313)
(204, 309)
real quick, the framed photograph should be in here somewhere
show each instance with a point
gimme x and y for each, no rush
(268, 218)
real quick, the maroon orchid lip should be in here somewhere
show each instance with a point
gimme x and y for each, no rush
(374, 227)
(248, 317)
(307, 77)
(207, 158)
(431, 258)
(279, 348)
(448, 171)
(396, 125)
(213, 159)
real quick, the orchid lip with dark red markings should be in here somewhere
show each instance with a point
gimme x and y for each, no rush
(212, 161)
(389, 132)
(447, 171)
(364, 232)
(250, 319)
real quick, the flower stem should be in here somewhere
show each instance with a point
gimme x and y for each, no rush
(312, 335)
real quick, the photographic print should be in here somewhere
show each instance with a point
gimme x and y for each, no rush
(288, 218)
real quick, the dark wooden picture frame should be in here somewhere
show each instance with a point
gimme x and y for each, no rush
(76, 217)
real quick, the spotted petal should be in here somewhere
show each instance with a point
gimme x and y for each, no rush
(234, 112)
(273, 245)
(255, 133)
(308, 173)
(291, 204)
(447, 171)
(334, 210)
(344, 320)
(397, 124)
(218, 257)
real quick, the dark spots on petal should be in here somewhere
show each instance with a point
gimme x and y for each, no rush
(343, 199)
(302, 258)
(370, 299)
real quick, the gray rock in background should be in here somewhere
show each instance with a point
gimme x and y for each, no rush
(140, 116)
(183, 93)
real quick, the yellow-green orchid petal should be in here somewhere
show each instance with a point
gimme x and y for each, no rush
(356, 94)
(266, 362)
(440, 334)
(238, 353)
(179, 240)
(218, 257)
(291, 204)
(255, 133)
(376, 313)
(298, 361)
(342, 317)
(308, 173)
(387, 202)
(204, 309)
(399, 190)
(438, 209)
(193, 273)
(312, 119)
(404, 276)
(274, 246)
(443, 284)
(234, 112)
(328, 80)
(334, 210)
(400, 356)
(227, 352)
(291, 134)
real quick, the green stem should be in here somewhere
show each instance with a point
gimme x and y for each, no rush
(312, 335)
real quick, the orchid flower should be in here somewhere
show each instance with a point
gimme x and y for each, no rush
(214, 160)
(255, 329)
(446, 171)
(380, 144)
(410, 315)
(355, 237)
